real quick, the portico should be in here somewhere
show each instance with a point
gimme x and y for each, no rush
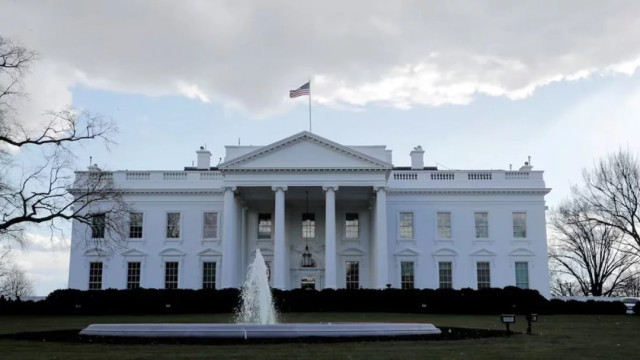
(331, 227)
(304, 188)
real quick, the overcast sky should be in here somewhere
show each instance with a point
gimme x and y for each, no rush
(479, 84)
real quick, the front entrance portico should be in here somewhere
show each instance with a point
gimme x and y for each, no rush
(308, 239)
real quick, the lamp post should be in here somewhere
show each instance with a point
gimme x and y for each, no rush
(508, 319)
(531, 318)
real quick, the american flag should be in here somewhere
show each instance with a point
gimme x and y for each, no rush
(301, 91)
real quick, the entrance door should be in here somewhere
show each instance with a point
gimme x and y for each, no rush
(308, 283)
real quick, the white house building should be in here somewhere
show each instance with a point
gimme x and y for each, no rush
(324, 215)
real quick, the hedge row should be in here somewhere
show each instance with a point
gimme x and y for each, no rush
(157, 301)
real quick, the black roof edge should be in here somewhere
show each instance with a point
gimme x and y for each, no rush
(409, 168)
(192, 168)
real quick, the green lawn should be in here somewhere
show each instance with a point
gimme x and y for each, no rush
(566, 336)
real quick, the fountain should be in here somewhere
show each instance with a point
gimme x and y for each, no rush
(257, 303)
(256, 319)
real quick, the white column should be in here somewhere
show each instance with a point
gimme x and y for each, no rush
(330, 280)
(229, 241)
(381, 247)
(279, 244)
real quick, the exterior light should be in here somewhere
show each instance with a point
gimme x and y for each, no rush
(508, 319)
(531, 318)
(307, 261)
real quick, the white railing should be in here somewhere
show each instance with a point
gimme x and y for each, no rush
(174, 175)
(517, 175)
(479, 176)
(153, 179)
(465, 178)
(138, 175)
(405, 176)
(210, 176)
(443, 176)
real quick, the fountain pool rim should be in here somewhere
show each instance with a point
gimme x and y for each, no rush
(261, 331)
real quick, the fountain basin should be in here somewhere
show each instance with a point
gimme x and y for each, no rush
(259, 331)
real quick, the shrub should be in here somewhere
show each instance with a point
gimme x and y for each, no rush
(432, 301)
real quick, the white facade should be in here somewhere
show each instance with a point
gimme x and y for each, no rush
(368, 224)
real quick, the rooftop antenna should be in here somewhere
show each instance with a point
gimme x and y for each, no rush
(90, 160)
(529, 157)
(510, 167)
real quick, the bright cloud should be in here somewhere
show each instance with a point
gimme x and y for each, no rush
(402, 53)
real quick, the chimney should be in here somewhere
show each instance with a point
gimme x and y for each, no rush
(417, 158)
(204, 158)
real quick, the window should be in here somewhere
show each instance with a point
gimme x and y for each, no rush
(135, 225)
(210, 225)
(264, 226)
(97, 225)
(171, 275)
(173, 225)
(444, 225)
(406, 270)
(133, 275)
(95, 276)
(445, 277)
(406, 225)
(522, 274)
(482, 225)
(484, 274)
(520, 225)
(351, 226)
(353, 275)
(208, 275)
(308, 226)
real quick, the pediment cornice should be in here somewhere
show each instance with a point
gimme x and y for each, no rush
(373, 164)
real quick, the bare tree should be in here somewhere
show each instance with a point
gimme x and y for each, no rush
(561, 287)
(15, 284)
(631, 287)
(588, 252)
(612, 190)
(43, 192)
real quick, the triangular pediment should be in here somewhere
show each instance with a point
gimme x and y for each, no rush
(305, 151)
(445, 252)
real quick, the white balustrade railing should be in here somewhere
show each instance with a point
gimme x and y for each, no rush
(479, 175)
(516, 175)
(443, 176)
(405, 176)
(143, 179)
(458, 178)
(138, 175)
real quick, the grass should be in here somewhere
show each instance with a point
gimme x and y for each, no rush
(566, 336)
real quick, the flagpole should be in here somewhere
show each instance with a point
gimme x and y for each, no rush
(310, 104)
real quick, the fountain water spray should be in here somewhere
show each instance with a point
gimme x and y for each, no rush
(257, 304)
